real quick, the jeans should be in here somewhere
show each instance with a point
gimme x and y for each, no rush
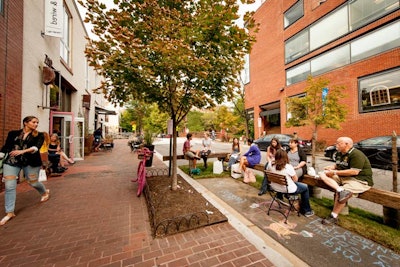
(31, 175)
(305, 197)
(265, 185)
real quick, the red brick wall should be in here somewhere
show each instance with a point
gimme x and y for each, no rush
(267, 72)
(11, 39)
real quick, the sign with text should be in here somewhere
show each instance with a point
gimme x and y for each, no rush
(53, 18)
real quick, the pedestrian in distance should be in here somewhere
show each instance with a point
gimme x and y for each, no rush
(352, 174)
(21, 150)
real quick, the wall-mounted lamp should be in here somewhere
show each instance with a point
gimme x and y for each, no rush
(282, 89)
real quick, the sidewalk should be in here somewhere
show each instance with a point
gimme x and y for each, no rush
(94, 218)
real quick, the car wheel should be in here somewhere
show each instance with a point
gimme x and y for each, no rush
(333, 156)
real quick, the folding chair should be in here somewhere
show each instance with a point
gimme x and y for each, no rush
(292, 197)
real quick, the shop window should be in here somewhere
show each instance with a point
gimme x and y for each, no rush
(380, 91)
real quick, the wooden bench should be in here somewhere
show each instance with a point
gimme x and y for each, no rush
(219, 156)
(385, 198)
(212, 155)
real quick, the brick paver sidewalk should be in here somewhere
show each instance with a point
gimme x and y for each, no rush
(94, 218)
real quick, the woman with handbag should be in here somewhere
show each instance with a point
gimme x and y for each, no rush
(22, 149)
(206, 148)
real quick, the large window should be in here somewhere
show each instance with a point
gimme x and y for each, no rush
(297, 46)
(346, 18)
(376, 42)
(298, 73)
(328, 61)
(379, 91)
(293, 14)
(363, 12)
(65, 47)
(1, 6)
(330, 28)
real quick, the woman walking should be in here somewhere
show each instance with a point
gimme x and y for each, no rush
(22, 153)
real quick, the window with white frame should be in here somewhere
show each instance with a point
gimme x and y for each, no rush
(294, 13)
(65, 46)
(380, 91)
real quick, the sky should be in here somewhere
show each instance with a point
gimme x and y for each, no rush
(242, 10)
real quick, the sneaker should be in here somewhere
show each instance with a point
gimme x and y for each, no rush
(309, 213)
(330, 220)
(344, 195)
(196, 157)
(262, 192)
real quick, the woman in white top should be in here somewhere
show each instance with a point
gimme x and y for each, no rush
(206, 148)
(281, 166)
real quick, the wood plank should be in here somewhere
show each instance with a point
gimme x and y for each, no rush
(212, 155)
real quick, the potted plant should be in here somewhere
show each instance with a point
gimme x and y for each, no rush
(148, 142)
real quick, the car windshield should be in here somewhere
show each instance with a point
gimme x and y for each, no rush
(377, 141)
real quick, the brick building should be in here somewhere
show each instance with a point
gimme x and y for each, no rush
(351, 43)
(44, 72)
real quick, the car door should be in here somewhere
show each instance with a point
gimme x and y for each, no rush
(378, 151)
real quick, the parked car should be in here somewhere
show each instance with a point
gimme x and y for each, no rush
(377, 149)
(264, 142)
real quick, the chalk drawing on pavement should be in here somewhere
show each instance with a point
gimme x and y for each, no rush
(351, 246)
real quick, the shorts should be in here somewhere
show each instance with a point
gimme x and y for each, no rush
(190, 155)
(352, 184)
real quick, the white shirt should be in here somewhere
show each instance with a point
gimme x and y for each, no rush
(289, 172)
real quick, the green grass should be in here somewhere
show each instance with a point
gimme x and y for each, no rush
(364, 223)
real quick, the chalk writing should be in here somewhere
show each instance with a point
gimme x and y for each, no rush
(352, 247)
(225, 194)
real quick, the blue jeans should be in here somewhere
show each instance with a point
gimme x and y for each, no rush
(265, 185)
(305, 197)
(31, 175)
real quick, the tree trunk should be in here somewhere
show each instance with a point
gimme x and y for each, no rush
(174, 179)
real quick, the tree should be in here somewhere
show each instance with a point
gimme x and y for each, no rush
(177, 53)
(320, 107)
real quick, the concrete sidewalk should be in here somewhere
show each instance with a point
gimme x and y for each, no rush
(94, 218)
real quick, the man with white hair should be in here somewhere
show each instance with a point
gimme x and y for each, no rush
(352, 174)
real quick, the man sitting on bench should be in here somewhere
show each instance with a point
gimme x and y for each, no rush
(352, 174)
(188, 152)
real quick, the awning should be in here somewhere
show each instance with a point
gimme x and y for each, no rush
(103, 111)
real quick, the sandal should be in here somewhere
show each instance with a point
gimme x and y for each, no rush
(46, 196)
(6, 219)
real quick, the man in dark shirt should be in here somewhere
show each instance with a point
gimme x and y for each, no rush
(352, 174)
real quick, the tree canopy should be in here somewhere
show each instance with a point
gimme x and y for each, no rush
(320, 107)
(177, 53)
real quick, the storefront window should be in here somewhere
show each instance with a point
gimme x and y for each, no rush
(380, 91)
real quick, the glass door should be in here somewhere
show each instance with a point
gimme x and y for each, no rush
(79, 139)
(62, 123)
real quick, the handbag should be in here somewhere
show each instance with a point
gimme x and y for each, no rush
(42, 175)
(235, 171)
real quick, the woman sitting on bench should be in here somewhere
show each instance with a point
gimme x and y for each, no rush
(281, 166)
